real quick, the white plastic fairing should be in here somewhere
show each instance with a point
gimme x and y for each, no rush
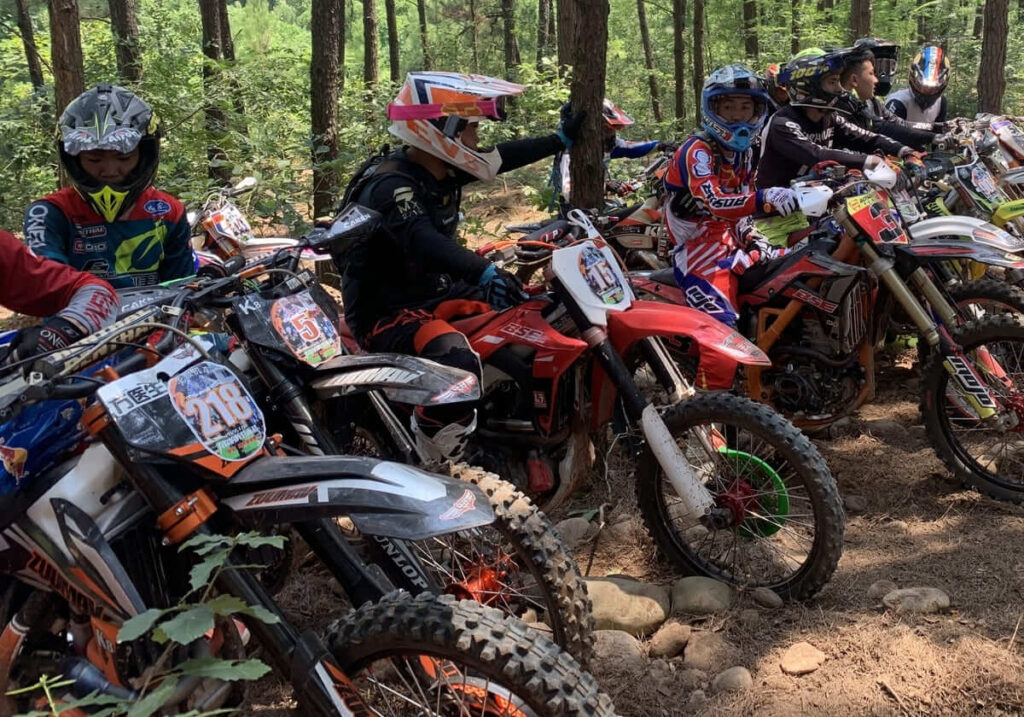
(967, 228)
(812, 198)
(594, 279)
(881, 175)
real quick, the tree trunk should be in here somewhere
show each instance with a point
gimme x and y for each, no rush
(326, 22)
(652, 81)
(344, 23)
(860, 19)
(371, 72)
(679, 58)
(125, 28)
(508, 17)
(216, 119)
(421, 9)
(992, 73)
(750, 30)
(978, 20)
(544, 31)
(566, 34)
(825, 8)
(794, 37)
(394, 66)
(474, 40)
(227, 51)
(588, 76)
(28, 39)
(698, 56)
(66, 52)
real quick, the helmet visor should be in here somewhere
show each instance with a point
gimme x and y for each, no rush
(885, 66)
(83, 139)
(492, 108)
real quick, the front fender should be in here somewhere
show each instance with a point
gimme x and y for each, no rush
(404, 379)
(965, 228)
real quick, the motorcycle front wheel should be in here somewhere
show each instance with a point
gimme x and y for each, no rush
(787, 526)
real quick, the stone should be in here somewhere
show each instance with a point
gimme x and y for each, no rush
(750, 618)
(616, 655)
(628, 605)
(801, 659)
(922, 600)
(735, 679)
(708, 651)
(698, 595)
(669, 640)
(574, 531)
(855, 503)
(691, 679)
(695, 534)
(886, 428)
(880, 588)
(841, 427)
(621, 532)
(766, 597)
(697, 701)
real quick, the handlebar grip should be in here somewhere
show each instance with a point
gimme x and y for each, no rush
(234, 264)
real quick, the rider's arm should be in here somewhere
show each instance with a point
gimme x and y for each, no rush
(47, 231)
(632, 150)
(42, 287)
(908, 133)
(693, 168)
(178, 259)
(787, 139)
(849, 135)
(897, 108)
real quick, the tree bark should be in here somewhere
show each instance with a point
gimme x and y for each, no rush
(750, 30)
(323, 101)
(794, 37)
(125, 27)
(544, 31)
(992, 72)
(566, 34)
(588, 77)
(860, 19)
(227, 51)
(825, 8)
(652, 80)
(698, 56)
(65, 55)
(421, 9)
(344, 23)
(216, 119)
(28, 39)
(978, 20)
(394, 66)
(474, 40)
(371, 71)
(679, 58)
(508, 17)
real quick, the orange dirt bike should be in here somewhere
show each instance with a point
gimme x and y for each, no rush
(820, 310)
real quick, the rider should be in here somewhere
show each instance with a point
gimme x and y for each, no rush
(869, 66)
(614, 148)
(76, 303)
(809, 130)
(710, 187)
(111, 222)
(411, 276)
(924, 100)
(776, 92)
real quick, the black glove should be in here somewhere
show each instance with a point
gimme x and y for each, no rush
(56, 334)
(569, 127)
(667, 145)
(618, 187)
(501, 289)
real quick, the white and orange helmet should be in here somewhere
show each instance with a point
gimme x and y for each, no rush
(433, 108)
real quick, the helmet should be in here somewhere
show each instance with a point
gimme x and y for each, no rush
(109, 117)
(733, 80)
(613, 115)
(929, 73)
(804, 73)
(885, 56)
(433, 108)
(771, 83)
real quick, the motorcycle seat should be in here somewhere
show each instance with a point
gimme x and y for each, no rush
(619, 214)
(549, 233)
(664, 276)
(469, 325)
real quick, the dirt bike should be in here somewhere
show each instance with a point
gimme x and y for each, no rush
(90, 548)
(292, 351)
(820, 310)
(726, 487)
(1006, 158)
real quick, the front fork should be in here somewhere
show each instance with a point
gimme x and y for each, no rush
(961, 369)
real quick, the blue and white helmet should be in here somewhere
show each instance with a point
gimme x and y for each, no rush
(733, 80)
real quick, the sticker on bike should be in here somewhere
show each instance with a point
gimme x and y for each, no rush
(230, 223)
(600, 276)
(872, 213)
(218, 410)
(305, 329)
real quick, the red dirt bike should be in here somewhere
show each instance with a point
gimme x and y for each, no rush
(726, 487)
(820, 310)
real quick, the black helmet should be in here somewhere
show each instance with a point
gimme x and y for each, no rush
(109, 117)
(886, 55)
(803, 75)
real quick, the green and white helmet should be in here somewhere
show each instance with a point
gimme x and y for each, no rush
(108, 117)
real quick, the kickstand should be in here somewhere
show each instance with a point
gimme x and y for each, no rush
(597, 536)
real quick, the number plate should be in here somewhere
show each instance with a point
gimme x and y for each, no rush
(305, 329)
(218, 410)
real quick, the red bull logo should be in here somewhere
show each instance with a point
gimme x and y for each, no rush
(13, 460)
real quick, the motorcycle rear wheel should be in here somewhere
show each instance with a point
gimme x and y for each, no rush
(788, 521)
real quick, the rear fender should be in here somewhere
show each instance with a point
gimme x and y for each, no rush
(403, 379)
(380, 497)
(967, 228)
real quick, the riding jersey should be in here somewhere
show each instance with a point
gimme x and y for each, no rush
(904, 105)
(792, 143)
(874, 116)
(620, 148)
(147, 247)
(414, 261)
(32, 285)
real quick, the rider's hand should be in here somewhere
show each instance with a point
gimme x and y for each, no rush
(501, 289)
(618, 187)
(667, 145)
(948, 142)
(56, 334)
(569, 127)
(781, 200)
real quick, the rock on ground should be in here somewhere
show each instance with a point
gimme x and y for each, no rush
(697, 701)
(750, 618)
(920, 599)
(697, 595)
(691, 679)
(801, 659)
(669, 640)
(628, 605)
(735, 679)
(616, 654)
(574, 531)
(708, 651)
(766, 597)
(855, 503)
(880, 588)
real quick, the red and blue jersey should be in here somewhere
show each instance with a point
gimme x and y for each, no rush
(148, 246)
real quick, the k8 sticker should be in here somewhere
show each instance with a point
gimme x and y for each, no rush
(305, 328)
(600, 276)
(218, 410)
